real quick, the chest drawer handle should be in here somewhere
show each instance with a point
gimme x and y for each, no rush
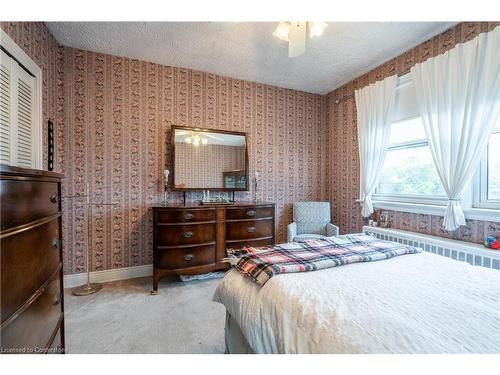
(187, 234)
(188, 257)
(55, 244)
(251, 229)
(57, 299)
(53, 198)
(188, 216)
(251, 213)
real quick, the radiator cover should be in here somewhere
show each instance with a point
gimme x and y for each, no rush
(474, 254)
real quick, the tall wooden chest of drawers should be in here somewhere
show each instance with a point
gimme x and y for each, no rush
(193, 239)
(32, 319)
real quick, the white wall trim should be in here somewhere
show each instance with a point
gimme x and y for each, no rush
(77, 279)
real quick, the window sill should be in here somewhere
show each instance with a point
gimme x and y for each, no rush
(427, 209)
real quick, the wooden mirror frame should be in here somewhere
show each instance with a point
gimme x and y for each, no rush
(172, 137)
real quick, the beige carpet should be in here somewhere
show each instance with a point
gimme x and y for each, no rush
(125, 318)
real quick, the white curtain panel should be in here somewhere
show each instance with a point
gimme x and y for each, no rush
(458, 96)
(374, 105)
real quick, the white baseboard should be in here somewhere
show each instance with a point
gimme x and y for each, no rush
(77, 279)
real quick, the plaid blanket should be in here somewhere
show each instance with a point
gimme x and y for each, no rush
(262, 263)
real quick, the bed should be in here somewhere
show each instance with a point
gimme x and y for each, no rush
(415, 303)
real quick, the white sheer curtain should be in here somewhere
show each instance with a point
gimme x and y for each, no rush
(458, 95)
(374, 104)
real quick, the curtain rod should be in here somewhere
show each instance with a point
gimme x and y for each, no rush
(344, 98)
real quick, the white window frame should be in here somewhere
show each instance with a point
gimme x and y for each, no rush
(21, 56)
(474, 202)
(412, 199)
(480, 186)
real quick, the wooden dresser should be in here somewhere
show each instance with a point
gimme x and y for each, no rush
(193, 239)
(32, 319)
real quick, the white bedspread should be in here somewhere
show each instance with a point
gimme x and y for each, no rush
(421, 303)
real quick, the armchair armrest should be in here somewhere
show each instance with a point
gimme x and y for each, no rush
(332, 230)
(291, 232)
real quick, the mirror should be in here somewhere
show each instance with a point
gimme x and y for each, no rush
(206, 159)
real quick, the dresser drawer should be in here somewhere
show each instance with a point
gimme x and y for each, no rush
(34, 327)
(28, 259)
(172, 259)
(172, 235)
(243, 230)
(185, 216)
(248, 212)
(26, 201)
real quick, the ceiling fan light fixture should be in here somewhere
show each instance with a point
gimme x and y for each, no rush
(282, 31)
(316, 28)
(295, 33)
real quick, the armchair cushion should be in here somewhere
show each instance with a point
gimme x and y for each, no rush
(303, 237)
(311, 217)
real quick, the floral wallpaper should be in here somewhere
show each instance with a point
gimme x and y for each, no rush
(341, 120)
(474, 231)
(119, 113)
(38, 43)
(113, 117)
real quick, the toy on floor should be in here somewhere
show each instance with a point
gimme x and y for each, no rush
(492, 242)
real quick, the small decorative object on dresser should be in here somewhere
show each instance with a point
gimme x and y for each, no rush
(192, 239)
(384, 219)
(166, 173)
(32, 319)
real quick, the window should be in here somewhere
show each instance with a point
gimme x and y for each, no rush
(409, 173)
(20, 107)
(487, 181)
(409, 180)
(493, 170)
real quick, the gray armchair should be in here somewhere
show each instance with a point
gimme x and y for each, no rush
(311, 220)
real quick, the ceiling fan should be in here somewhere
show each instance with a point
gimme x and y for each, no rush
(294, 32)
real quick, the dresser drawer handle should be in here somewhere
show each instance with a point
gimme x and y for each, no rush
(251, 213)
(251, 229)
(187, 234)
(53, 198)
(57, 299)
(55, 244)
(188, 257)
(188, 216)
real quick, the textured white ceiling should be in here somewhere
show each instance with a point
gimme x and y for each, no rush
(247, 50)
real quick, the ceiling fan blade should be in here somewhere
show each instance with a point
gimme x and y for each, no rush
(297, 36)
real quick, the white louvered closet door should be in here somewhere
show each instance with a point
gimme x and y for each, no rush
(17, 114)
(24, 117)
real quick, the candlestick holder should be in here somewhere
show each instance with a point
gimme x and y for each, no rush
(255, 186)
